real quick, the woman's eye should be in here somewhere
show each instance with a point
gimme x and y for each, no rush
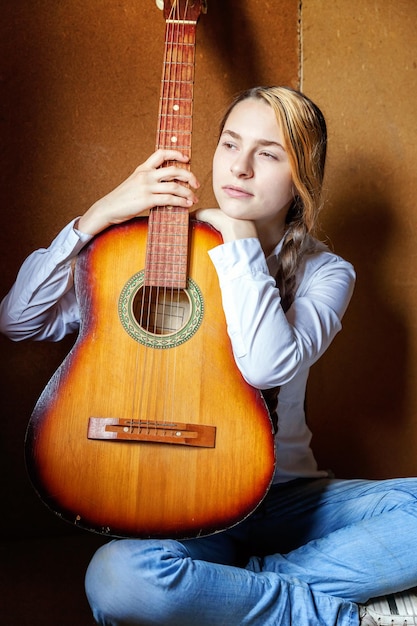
(229, 145)
(269, 155)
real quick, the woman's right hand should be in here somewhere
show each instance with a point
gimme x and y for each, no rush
(150, 185)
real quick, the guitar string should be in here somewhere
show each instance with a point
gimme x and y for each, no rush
(181, 82)
(158, 291)
(173, 85)
(151, 296)
(176, 96)
(142, 409)
(183, 99)
(158, 216)
(154, 290)
(161, 293)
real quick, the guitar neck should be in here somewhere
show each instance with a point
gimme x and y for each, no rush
(167, 249)
(177, 87)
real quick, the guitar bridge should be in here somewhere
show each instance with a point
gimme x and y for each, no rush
(151, 431)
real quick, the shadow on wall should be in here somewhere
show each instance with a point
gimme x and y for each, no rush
(361, 425)
(230, 37)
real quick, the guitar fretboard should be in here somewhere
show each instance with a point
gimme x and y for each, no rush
(167, 248)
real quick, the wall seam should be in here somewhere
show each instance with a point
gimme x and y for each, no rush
(300, 45)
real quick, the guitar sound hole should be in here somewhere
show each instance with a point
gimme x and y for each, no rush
(161, 310)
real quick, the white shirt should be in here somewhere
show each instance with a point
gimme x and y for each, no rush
(271, 348)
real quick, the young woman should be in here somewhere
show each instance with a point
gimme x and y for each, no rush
(316, 547)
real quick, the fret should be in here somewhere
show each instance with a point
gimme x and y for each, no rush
(159, 254)
(173, 145)
(168, 139)
(176, 81)
(177, 74)
(171, 118)
(174, 271)
(178, 53)
(170, 216)
(176, 104)
(178, 88)
(167, 249)
(172, 74)
(171, 243)
(180, 37)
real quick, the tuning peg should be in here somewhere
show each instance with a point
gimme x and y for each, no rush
(160, 5)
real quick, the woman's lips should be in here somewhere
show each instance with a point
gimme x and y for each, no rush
(236, 192)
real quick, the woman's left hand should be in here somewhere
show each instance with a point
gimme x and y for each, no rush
(229, 227)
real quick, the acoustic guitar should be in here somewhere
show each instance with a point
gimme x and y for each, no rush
(147, 429)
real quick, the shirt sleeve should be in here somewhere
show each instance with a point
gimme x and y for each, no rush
(270, 346)
(41, 304)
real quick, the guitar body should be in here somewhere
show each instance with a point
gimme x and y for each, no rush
(147, 431)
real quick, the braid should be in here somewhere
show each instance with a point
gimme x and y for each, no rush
(296, 244)
(289, 259)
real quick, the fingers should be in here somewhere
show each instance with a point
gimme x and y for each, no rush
(173, 172)
(173, 201)
(169, 172)
(231, 228)
(175, 194)
(158, 158)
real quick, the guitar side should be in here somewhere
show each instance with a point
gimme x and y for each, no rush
(145, 488)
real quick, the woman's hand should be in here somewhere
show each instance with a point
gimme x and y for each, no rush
(150, 185)
(229, 227)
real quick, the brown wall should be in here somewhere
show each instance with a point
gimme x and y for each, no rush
(79, 104)
(360, 64)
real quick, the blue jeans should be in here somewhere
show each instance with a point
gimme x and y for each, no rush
(306, 557)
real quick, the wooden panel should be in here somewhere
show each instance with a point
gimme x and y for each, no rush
(360, 66)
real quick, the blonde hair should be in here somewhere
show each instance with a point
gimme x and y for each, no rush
(303, 127)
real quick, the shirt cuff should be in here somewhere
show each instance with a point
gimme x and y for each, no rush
(239, 258)
(68, 243)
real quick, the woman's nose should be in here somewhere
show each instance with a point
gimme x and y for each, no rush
(241, 167)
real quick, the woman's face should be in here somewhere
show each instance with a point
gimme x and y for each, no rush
(251, 171)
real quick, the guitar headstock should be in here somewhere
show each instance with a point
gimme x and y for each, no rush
(188, 10)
